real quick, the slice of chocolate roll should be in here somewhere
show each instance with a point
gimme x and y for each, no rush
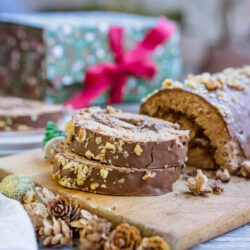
(77, 172)
(127, 140)
(216, 109)
(17, 114)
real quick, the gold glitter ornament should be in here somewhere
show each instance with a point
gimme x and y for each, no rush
(15, 186)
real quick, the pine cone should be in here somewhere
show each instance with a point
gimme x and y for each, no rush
(61, 207)
(153, 243)
(85, 216)
(45, 195)
(94, 231)
(37, 213)
(123, 237)
(55, 233)
(30, 197)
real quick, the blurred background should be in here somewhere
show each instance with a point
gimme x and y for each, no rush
(50, 63)
(214, 34)
(47, 46)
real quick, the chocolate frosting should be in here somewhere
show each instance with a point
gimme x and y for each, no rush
(119, 181)
(168, 149)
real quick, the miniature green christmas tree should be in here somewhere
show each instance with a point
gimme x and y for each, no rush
(52, 131)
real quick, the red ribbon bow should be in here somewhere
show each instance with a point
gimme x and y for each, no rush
(113, 76)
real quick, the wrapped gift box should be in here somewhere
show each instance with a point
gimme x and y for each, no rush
(45, 55)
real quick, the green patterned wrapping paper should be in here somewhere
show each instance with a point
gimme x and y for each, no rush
(47, 53)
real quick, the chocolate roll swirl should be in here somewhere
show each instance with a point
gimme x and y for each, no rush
(216, 108)
(17, 114)
(77, 172)
(127, 140)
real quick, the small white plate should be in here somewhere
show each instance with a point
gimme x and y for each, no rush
(21, 140)
(13, 152)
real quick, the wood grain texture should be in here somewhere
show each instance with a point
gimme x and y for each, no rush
(181, 218)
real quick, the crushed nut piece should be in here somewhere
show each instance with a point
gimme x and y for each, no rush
(149, 176)
(69, 165)
(98, 140)
(101, 157)
(217, 187)
(22, 128)
(82, 174)
(167, 83)
(114, 207)
(220, 78)
(191, 84)
(245, 169)
(122, 180)
(236, 85)
(198, 184)
(138, 150)
(104, 173)
(34, 117)
(223, 175)
(66, 182)
(70, 129)
(234, 99)
(109, 146)
(125, 154)
(2, 124)
(112, 110)
(204, 77)
(82, 134)
(103, 151)
(212, 85)
(220, 95)
(89, 155)
(119, 145)
(94, 186)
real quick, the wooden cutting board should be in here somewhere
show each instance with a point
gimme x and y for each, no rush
(181, 218)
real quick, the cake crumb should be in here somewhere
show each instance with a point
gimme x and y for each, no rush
(114, 207)
(223, 175)
(217, 187)
(245, 169)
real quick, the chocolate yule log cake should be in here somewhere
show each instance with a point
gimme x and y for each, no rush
(216, 110)
(17, 114)
(127, 140)
(74, 171)
(111, 152)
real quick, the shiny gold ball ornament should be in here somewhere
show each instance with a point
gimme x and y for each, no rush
(15, 186)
